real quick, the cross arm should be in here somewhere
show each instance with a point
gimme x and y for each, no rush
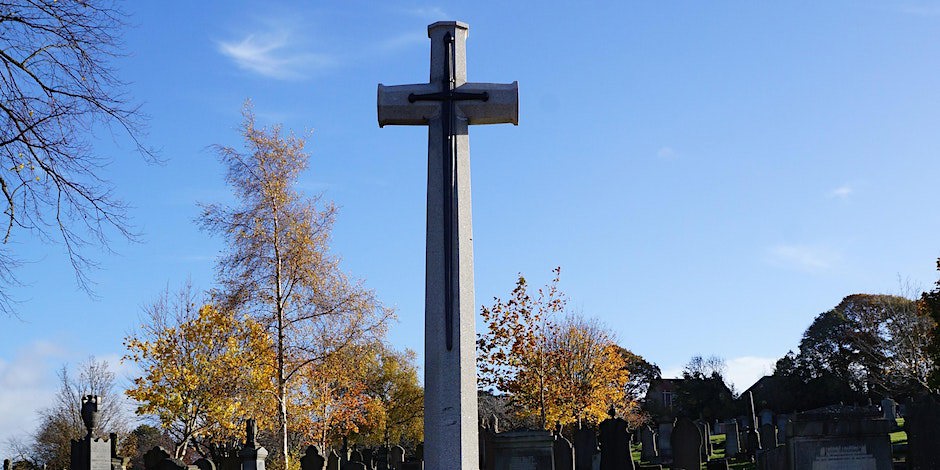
(501, 106)
(395, 109)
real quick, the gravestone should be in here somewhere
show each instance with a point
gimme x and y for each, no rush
(225, 456)
(766, 417)
(381, 457)
(664, 443)
(782, 421)
(487, 433)
(356, 456)
(252, 454)
(923, 433)
(312, 460)
(89, 452)
(686, 445)
(118, 462)
(717, 464)
(396, 457)
(562, 453)
(585, 446)
(647, 444)
(333, 461)
(768, 436)
(776, 459)
(204, 464)
(354, 465)
(706, 439)
(732, 443)
(839, 437)
(524, 450)
(889, 408)
(752, 443)
(448, 105)
(615, 443)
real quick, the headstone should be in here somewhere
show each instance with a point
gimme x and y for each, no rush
(752, 440)
(717, 464)
(354, 465)
(766, 417)
(367, 457)
(448, 105)
(615, 443)
(839, 437)
(356, 456)
(686, 445)
(396, 457)
(775, 459)
(647, 444)
(922, 416)
(890, 408)
(90, 453)
(664, 443)
(782, 421)
(252, 454)
(706, 439)
(768, 436)
(118, 462)
(159, 459)
(585, 446)
(732, 443)
(563, 453)
(312, 460)
(524, 450)
(333, 460)
(204, 464)
(381, 458)
(487, 434)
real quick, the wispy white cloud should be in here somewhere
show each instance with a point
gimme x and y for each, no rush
(428, 13)
(842, 192)
(666, 153)
(274, 54)
(803, 257)
(402, 41)
(25, 388)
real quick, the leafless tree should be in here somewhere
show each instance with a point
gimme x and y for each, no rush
(61, 422)
(58, 89)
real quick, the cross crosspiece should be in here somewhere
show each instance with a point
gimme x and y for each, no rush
(448, 105)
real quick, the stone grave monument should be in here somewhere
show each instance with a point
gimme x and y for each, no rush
(686, 445)
(90, 453)
(615, 443)
(840, 437)
(448, 105)
(252, 454)
(523, 450)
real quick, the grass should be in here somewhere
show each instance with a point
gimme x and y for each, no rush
(718, 452)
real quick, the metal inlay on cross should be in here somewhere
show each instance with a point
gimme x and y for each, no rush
(448, 105)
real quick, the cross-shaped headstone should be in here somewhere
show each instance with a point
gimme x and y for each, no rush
(448, 104)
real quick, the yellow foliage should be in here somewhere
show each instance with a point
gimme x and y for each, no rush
(560, 371)
(203, 375)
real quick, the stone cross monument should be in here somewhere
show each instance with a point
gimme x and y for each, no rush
(448, 104)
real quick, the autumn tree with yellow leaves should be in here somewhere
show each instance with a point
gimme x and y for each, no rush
(203, 370)
(278, 266)
(588, 373)
(555, 369)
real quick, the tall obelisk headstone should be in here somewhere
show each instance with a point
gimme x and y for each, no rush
(448, 104)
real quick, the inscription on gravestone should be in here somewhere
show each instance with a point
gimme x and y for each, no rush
(844, 458)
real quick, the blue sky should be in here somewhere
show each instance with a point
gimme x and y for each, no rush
(709, 175)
